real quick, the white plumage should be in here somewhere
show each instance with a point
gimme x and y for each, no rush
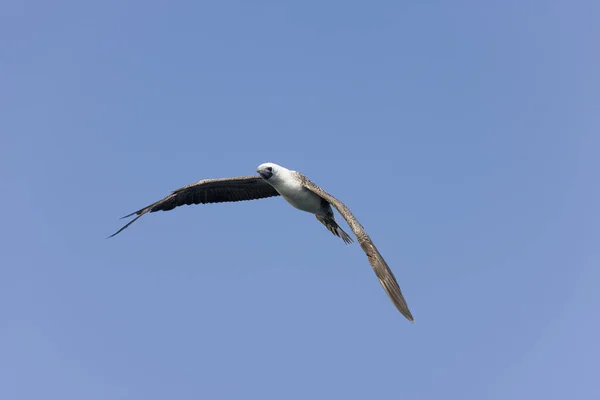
(291, 189)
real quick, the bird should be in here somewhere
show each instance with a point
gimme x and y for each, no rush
(301, 193)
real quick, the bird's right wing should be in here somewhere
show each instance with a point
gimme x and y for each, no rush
(210, 191)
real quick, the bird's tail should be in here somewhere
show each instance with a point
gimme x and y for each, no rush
(334, 228)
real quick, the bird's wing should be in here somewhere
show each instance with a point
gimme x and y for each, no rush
(382, 270)
(210, 191)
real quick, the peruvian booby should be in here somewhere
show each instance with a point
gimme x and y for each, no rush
(297, 190)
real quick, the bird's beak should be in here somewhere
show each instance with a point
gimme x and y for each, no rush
(264, 173)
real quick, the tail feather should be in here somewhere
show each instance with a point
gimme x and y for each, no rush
(334, 228)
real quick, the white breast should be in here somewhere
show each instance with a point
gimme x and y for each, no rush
(299, 197)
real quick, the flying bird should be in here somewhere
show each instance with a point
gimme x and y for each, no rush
(297, 190)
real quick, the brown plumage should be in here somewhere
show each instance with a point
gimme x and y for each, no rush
(334, 228)
(382, 270)
(209, 191)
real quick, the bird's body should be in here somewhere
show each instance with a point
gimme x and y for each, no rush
(300, 198)
(298, 191)
(289, 185)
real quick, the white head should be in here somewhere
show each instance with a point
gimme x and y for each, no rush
(272, 172)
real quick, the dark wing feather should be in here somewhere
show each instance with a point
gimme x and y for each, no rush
(210, 191)
(382, 270)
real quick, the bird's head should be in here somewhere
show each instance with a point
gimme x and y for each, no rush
(269, 170)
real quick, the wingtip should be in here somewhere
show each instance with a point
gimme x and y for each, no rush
(120, 230)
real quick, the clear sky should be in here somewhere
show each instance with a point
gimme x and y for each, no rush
(463, 135)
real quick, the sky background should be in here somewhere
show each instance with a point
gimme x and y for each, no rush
(463, 135)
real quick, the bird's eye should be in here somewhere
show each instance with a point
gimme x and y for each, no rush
(270, 169)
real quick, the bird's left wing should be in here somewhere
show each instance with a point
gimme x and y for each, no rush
(210, 191)
(382, 270)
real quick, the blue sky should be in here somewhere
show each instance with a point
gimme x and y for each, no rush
(463, 135)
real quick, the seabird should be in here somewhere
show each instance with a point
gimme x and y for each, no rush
(297, 190)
